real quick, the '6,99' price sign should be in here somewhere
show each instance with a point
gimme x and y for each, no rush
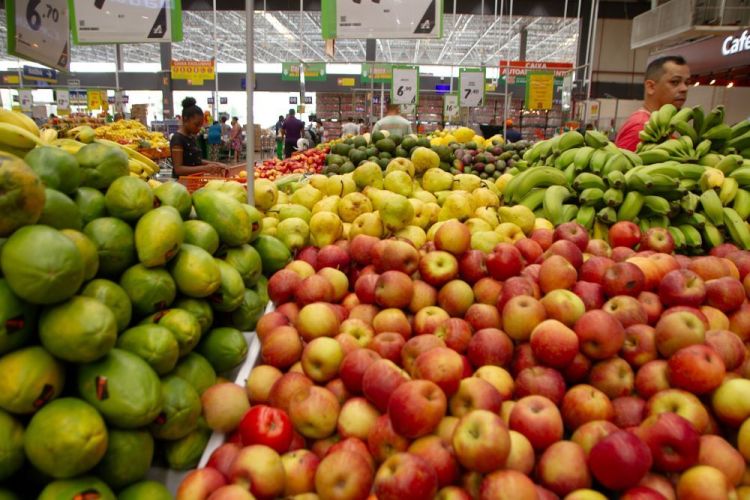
(405, 87)
(38, 30)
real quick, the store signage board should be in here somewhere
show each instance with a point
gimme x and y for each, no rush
(94, 98)
(470, 87)
(381, 72)
(63, 102)
(451, 110)
(540, 89)
(290, 72)
(133, 21)
(26, 101)
(405, 88)
(346, 82)
(195, 72)
(382, 19)
(521, 68)
(734, 44)
(315, 72)
(39, 31)
(34, 74)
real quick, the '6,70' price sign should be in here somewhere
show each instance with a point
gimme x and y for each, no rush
(405, 86)
(38, 30)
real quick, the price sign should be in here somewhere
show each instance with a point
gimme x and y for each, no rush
(38, 31)
(450, 108)
(135, 21)
(470, 87)
(405, 88)
(375, 19)
(63, 102)
(24, 96)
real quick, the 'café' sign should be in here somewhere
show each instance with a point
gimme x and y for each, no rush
(733, 45)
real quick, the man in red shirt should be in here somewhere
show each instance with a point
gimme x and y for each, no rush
(666, 81)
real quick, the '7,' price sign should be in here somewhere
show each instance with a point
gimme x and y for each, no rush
(405, 86)
(470, 87)
(38, 30)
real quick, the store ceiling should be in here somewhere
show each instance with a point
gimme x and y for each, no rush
(469, 40)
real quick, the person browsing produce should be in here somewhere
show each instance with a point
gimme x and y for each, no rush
(186, 155)
(393, 122)
(666, 81)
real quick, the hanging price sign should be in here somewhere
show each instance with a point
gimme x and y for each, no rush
(24, 96)
(470, 87)
(63, 102)
(450, 108)
(38, 31)
(135, 21)
(375, 19)
(405, 88)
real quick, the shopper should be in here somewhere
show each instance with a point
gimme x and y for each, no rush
(666, 82)
(393, 122)
(292, 130)
(349, 128)
(235, 138)
(214, 141)
(279, 138)
(363, 128)
(186, 155)
(512, 134)
(491, 129)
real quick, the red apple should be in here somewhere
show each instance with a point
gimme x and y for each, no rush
(599, 248)
(652, 305)
(456, 297)
(538, 419)
(574, 232)
(416, 346)
(315, 412)
(584, 403)
(594, 268)
(487, 291)
(388, 345)
(613, 377)
(566, 249)
(652, 378)
(563, 306)
(383, 441)
(456, 332)
(726, 294)
(481, 441)
(628, 411)
(521, 314)
(696, 368)
(333, 256)
(268, 322)
(437, 268)
(416, 408)
(453, 236)
(682, 288)
(281, 286)
(392, 320)
(481, 316)
(428, 319)
(222, 457)
(577, 370)
(282, 347)
(553, 343)
(405, 475)
(562, 468)
(677, 330)
(717, 452)
(623, 278)
(259, 469)
(639, 346)
(353, 367)
(517, 286)
(628, 310)
(490, 346)
(728, 346)
(542, 381)
(472, 265)
(556, 273)
(314, 288)
(439, 454)
(657, 239)
(620, 460)
(442, 366)
(673, 441)
(473, 394)
(343, 474)
(380, 379)
(683, 403)
(523, 357)
(285, 388)
(394, 289)
(360, 248)
(621, 254)
(424, 296)
(543, 236)
(530, 249)
(200, 483)
(624, 234)
(395, 255)
(600, 335)
(505, 261)
(591, 433)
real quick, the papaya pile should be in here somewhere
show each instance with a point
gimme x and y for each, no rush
(120, 303)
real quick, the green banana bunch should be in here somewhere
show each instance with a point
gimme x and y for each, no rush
(595, 139)
(591, 196)
(737, 228)
(613, 197)
(587, 180)
(657, 204)
(678, 237)
(586, 216)
(741, 203)
(554, 196)
(728, 191)
(712, 207)
(631, 206)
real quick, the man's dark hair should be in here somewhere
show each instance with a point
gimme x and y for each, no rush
(281, 118)
(350, 119)
(655, 68)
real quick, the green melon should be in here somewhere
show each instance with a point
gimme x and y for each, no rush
(129, 198)
(57, 168)
(29, 378)
(158, 236)
(17, 319)
(180, 412)
(149, 289)
(201, 234)
(128, 457)
(113, 296)
(60, 211)
(115, 245)
(154, 344)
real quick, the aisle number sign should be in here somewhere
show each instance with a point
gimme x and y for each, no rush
(63, 102)
(195, 72)
(450, 108)
(132, 21)
(470, 87)
(26, 100)
(375, 19)
(405, 88)
(39, 31)
(540, 88)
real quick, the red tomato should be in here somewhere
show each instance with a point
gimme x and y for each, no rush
(266, 425)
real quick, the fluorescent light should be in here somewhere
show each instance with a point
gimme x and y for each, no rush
(730, 85)
(696, 83)
(712, 81)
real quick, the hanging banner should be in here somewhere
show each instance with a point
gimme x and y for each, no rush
(117, 21)
(381, 72)
(315, 72)
(94, 99)
(375, 19)
(290, 72)
(451, 112)
(39, 31)
(26, 100)
(63, 102)
(521, 68)
(346, 82)
(470, 87)
(195, 72)
(405, 88)
(35, 75)
(540, 88)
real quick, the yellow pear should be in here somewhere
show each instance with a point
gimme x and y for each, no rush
(327, 204)
(476, 225)
(488, 214)
(434, 210)
(369, 224)
(414, 234)
(456, 206)
(424, 196)
(398, 182)
(318, 181)
(377, 196)
(307, 196)
(349, 185)
(396, 212)
(266, 194)
(441, 196)
(421, 216)
(519, 215)
(509, 232)
(290, 210)
(485, 241)
(334, 186)
(346, 228)
(542, 223)
(483, 197)
(268, 226)
(325, 228)
(282, 198)
(435, 180)
(293, 232)
(353, 205)
(433, 229)
(502, 181)
(400, 164)
(368, 174)
(275, 210)
(466, 182)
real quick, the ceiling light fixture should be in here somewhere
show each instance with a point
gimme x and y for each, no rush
(730, 85)
(713, 80)
(697, 83)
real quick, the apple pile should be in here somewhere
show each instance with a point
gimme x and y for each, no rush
(553, 367)
(310, 161)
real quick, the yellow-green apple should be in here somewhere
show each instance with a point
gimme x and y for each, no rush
(481, 441)
(353, 367)
(577, 370)
(673, 441)
(651, 305)
(452, 493)
(282, 347)
(591, 433)
(726, 294)
(333, 256)
(259, 469)
(428, 319)
(703, 482)
(594, 268)
(624, 234)
(696, 368)
(296, 368)
(487, 291)
(717, 452)
(439, 454)
(490, 346)
(562, 468)
(521, 457)
(338, 280)
(388, 345)
(302, 268)
(623, 278)
(541, 381)
(317, 320)
(682, 287)
(566, 249)
(231, 492)
(364, 287)
(314, 288)
(659, 483)
(628, 310)
(456, 333)
(553, 343)
(728, 346)
(337, 387)
(224, 405)
(357, 418)
(628, 411)
(507, 485)
(446, 427)
(657, 239)
(621, 254)
(355, 445)
(380, 379)
(283, 283)
(620, 460)
(598, 247)
(392, 320)
(600, 335)
(222, 457)
(584, 403)
(717, 320)
(383, 441)
(474, 394)
(499, 378)
(731, 401)
(394, 289)
(300, 467)
(681, 402)
(521, 314)
(200, 483)
(592, 294)
(506, 409)
(286, 387)
(482, 316)
(677, 330)
(639, 346)
(455, 297)
(652, 377)
(563, 306)
(555, 273)
(743, 439)
(453, 236)
(348, 342)
(268, 322)
(424, 296)
(530, 250)
(405, 475)
(505, 261)
(358, 329)
(260, 381)
(395, 255)
(613, 377)
(343, 475)
(518, 285)
(416, 408)
(321, 359)
(440, 365)
(438, 267)
(416, 346)
(472, 265)
(315, 412)
(290, 310)
(537, 418)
